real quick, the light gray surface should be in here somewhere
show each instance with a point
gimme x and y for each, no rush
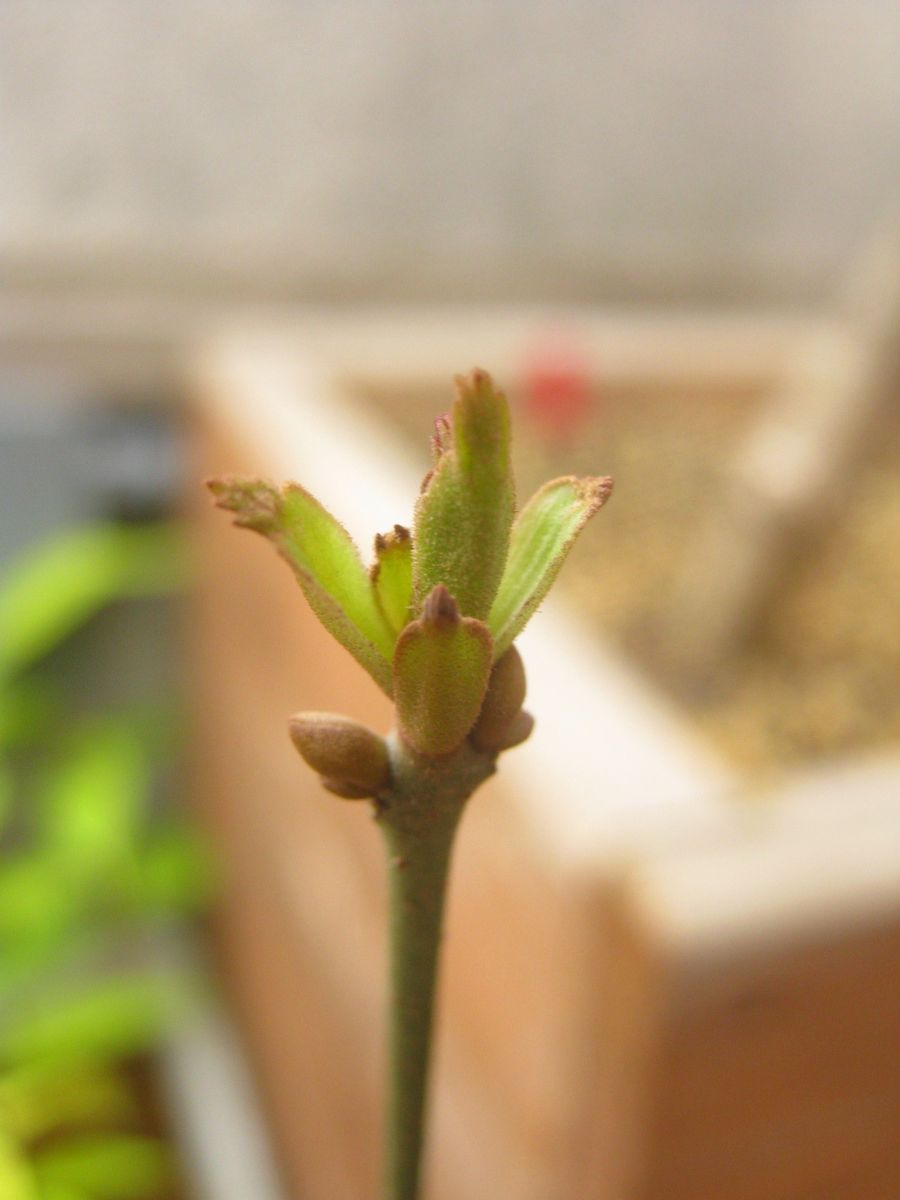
(221, 1134)
(42, 485)
(654, 149)
(67, 457)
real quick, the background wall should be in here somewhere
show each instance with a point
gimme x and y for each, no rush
(693, 150)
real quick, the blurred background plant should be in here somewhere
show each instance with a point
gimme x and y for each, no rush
(96, 874)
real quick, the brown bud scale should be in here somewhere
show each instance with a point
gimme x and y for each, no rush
(342, 751)
(502, 702)
(440, 609)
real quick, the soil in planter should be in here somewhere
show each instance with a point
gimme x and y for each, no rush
(821, 677)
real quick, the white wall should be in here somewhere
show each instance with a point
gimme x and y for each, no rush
(368, 148)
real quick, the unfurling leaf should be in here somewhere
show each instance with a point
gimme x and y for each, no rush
(502, 702)
(542, 536)
(441, 668)
(391, 576)
(325, 561)
(465, 512)
(352, 759)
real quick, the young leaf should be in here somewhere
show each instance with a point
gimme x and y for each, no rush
(39, 1097)
(176, 873)
(465, 512)
(7, 792)
(391, 576)
(325, 561)
(542, 536)
(27, 709)
(108, 1166)
(441, 669)
(114, 1019)
(92, 801)
(54, 588)
(52, 1189)
(37, 912)
(16, 1179)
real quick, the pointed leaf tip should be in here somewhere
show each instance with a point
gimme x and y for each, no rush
(254, 503)
(324, 559)
(398, 536)
(441, 437)
(391, 576)
(440, 610)
(594, 491)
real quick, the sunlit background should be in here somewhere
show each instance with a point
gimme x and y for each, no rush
(671, 229)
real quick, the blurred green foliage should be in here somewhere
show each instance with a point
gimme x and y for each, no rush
(89, 878)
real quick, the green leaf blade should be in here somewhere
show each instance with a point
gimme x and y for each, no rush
(391, 577)
(37, 913)
(441, 668)
(92, 800)
(58, 585)
(108, 1166)
(325, 561)
(102, 1022)
(542, 536)
(17, 1181)
(465, 512)
(39, 1097)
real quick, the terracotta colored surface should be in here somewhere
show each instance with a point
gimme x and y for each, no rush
(700, 1019)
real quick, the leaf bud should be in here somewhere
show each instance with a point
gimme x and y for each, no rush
(352, 760)
(517, 731)
(441, 668)
(502, 702)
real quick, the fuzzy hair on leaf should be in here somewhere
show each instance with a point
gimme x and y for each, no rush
(441, 669)
(325, 561)
(465, 511)
(391, 576)
(543, 534)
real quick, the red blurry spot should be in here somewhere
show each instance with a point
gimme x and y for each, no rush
(557, 390)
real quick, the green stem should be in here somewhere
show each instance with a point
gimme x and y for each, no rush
(419, 818)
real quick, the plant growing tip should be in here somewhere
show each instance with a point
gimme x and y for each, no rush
(465, 511)
(433, 621)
